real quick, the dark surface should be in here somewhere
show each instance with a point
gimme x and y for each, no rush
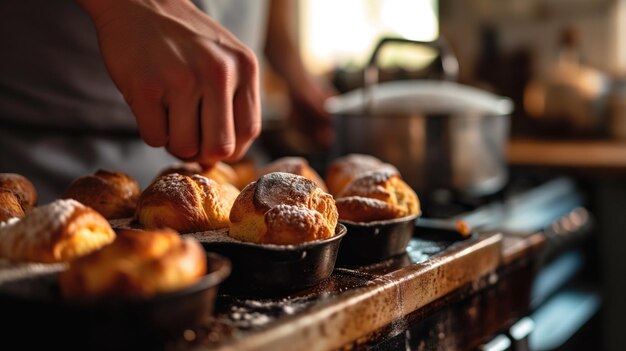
(236, 315)
(44, 319)
(464, 319)
(468, 315)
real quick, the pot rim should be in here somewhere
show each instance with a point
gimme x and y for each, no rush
(427, 96)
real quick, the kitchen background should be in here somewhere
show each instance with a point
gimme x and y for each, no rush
(562, 62)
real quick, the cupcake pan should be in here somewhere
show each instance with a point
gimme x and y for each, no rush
(369, 243)
(375, 241)
(274, 270)
(36, 316)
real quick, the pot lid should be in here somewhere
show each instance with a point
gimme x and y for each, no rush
(427, 96)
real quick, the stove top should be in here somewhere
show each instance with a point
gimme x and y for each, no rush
(357, 301)
(236, 315)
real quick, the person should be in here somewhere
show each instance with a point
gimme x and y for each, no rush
(79, 78)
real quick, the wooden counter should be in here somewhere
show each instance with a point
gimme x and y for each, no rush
(603, 154)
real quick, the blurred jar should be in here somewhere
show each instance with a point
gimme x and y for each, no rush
(572, 97)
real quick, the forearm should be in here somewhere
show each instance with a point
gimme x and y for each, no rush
(280, 49)
(105, 11)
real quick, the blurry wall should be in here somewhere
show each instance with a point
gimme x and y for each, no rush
(536, 25)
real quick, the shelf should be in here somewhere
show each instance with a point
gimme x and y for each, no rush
(604, 154)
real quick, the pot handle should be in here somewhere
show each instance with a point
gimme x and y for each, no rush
(449, 63)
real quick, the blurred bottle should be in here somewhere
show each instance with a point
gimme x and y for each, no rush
(572, 97)
(617, 109)
(503, 72)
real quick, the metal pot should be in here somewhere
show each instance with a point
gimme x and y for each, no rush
(438, 133)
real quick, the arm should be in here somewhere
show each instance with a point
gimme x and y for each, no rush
(192, 86)
(307, 93)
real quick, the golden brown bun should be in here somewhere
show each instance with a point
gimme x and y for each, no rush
(283, 208)
(185, 204)
(377, 195)
(345, 169)
(137, 264)
(9, 205)
(58, 232)
(295, 165)
(247, 172)
(113, 194)
(22, 187)
(219, 172)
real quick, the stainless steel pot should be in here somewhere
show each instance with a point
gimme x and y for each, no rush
(439, 134)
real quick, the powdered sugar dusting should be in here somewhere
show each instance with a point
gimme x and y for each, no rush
(354, 165)
(39, 225)
(291, 211)
(204, 182)
(278, 188)
(369, 202)
(169, 184)
(174, 187)
(368, 183)
(299, 217)
(212, 236)
(10, 221)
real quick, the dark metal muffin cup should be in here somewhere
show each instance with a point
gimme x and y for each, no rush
(375, 241)
(272, 270)
(108, 324)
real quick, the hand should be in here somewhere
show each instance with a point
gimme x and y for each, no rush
(192, 86)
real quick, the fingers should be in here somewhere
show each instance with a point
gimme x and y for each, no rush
(231, 109)
(217, 126)
(211, 115)
(151, 120)
(184, 125)
(247, 116)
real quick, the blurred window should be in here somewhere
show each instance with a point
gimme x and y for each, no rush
(342, 33)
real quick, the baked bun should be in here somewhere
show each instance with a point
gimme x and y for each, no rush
(345, 169)
(295, 165)
(22, 187)
(283, 208)
(185, 204)
(113, 194)
(247, 172)
(137, 264)
(219, 172)
(58, 232)
(376, 196)
(9, 205)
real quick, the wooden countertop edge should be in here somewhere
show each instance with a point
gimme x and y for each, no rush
(515, 247)
(389, 298)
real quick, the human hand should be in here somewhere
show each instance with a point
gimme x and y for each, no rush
(192, 85)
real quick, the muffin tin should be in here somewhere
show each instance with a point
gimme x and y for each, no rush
(36, 315)
(273, 270)
(375, 241)
(368, 243)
